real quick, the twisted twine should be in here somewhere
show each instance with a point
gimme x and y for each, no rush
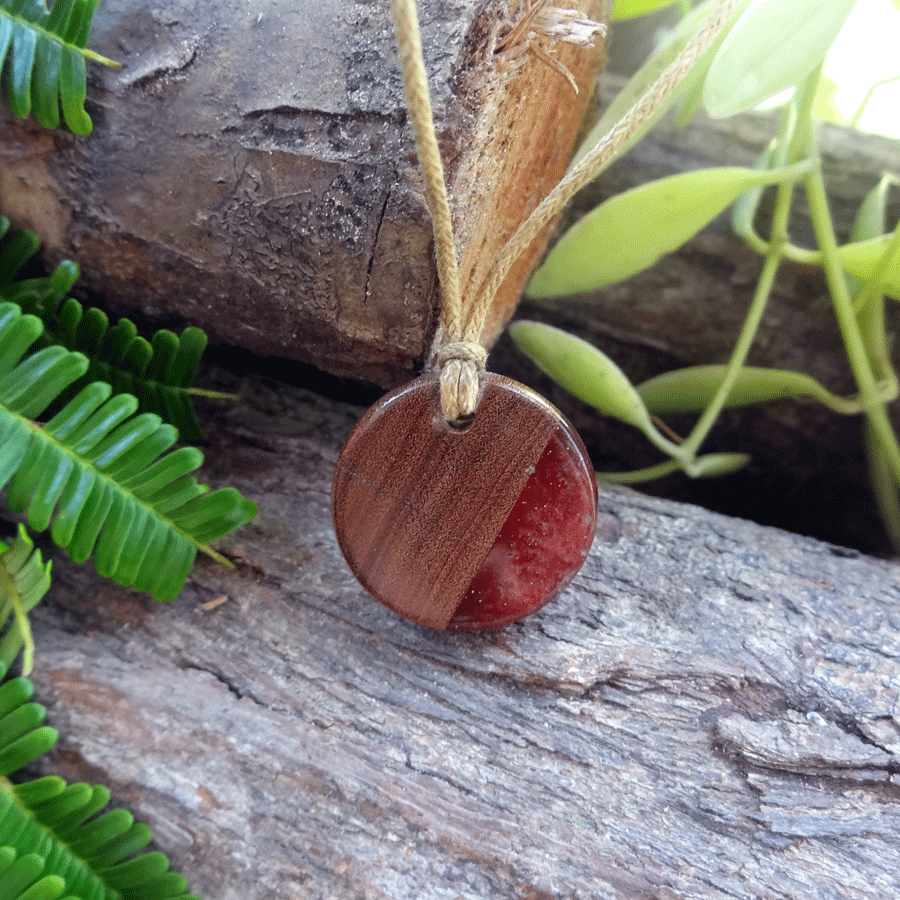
(456, 353)
(601, 155)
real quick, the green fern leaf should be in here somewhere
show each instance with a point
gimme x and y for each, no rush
(45, 51)
(55, 838)
(160, 373)
(100, 475)
(16, 250)
(24, 579)
(22, 736)
(21, 877)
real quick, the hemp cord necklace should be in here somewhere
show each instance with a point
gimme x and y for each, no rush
(464, 500)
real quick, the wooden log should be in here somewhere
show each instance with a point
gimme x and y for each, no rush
(710, 710)
(251, 171)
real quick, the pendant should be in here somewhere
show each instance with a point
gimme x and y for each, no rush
(464, 529)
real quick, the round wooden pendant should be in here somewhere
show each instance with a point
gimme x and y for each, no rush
(469, 529)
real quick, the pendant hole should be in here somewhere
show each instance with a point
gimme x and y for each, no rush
(462, 424)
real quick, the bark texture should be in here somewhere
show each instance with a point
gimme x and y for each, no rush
(251, 172)
(710, 710)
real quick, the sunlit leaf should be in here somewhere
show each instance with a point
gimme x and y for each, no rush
(632, 230)
(861, 258)
(581, 369)
(690, 390)
(647, 75)
(631, 9)
(773, 46)
(824, 103)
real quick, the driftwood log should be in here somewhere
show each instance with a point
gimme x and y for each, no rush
(251, 171)
(711, 710)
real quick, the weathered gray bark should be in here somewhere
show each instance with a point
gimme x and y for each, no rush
(709, 711)
(251, 171)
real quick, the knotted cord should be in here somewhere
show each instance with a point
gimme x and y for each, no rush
(456, 353)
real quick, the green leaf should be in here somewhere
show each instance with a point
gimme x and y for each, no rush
(869, 304)
(21, 875)
(13, 693)
(871, 217)
(18, 753)
(45, 53)
(647, 76)
(861, 259)
(55, 838)
(582, 370)
(632, 230)
(48, 888)
(160, 373)
(15, 251)
(773, 46)
(24, 580)
(690, 390)
(101, 478)
(631, 9)
(825, 106)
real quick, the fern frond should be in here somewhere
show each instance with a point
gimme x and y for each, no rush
(55, 838)
(45, 53)
(21, 877)
(24, 579)
(160, 372)
(100, 475)
(23, 737)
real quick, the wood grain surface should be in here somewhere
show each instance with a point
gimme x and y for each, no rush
(418, 506)
(709, 711)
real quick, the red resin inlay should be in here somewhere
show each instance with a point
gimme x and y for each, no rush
(542, 544)
(464, 530)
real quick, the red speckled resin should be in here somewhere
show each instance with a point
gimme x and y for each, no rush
(541, 545)
(464, 530)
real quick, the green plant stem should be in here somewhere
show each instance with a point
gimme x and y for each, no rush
(21, 622)
(691, 445)
(873, 406)
(208, 394)
(83, 51)
(639, 476)
(773, 256)
(865, 102)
